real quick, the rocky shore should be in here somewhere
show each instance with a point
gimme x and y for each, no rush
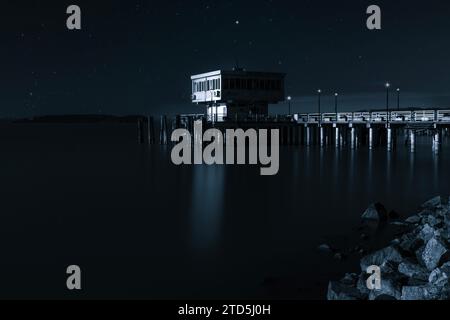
(416, 264)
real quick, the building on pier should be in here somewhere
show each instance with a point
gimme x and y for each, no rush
(237, 94)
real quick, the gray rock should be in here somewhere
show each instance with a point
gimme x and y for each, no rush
(380, 258)
(413, 270)
(447, 220)
(427, 292)
(390, 286)
(431, 254)
(340, 291)
(412, 282)
(432, 220)
(442, 212)
(440, 276)
(376, 212)
(325, 248)
(350, 279)
(432, 203)
(399, 224)
(339, 256)
(445, 233)
(410, 243)
(426, 233)
(361, 285)
(416, 265)
(413, 219)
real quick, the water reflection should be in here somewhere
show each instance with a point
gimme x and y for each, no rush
(207, 205)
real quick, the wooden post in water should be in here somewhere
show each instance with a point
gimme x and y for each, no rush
(163, 137)
(150, 130)
(140, 129)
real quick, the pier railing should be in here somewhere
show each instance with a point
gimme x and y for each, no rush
(442, 116)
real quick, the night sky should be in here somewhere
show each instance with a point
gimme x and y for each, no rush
(137, 56)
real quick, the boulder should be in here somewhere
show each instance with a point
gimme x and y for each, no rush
(432, 220)
(340, 256)
(325, 248)
(410, 243)
(337, 290)
(350, 279)
(412, 270)
(381, 258)
(361, 285)
(432, 203)
(426, 233)
(413, 219)
(426, 292)
(375, 212)
(440, 276)
(390, 287)
(430, 255)
(415, 266)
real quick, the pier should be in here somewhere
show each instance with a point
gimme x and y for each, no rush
(369, 129)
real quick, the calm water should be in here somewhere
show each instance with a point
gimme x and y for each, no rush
(140, 227)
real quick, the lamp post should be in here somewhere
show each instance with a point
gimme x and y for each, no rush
(289, 98)
(336, 105)
(319, 93)
(388, 85)
(398, 99)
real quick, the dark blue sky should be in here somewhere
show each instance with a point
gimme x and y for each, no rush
(136, 56)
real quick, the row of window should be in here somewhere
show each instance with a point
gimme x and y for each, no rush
(206, 85)
(252, 84)
(237, 84)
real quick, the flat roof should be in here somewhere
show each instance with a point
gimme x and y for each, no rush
(238, 73)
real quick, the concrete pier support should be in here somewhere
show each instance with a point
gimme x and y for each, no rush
(370, 138)
(412, 140)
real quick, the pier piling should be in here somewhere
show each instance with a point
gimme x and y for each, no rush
(370, 138)
(150, 130)
(412, 140)
(163, 134)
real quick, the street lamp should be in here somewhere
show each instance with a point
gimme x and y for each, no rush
(398, 99)
(289, 98)
(336, 105)
(319, 93)
(388, 85)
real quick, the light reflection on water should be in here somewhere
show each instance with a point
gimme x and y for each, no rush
(207, 206)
